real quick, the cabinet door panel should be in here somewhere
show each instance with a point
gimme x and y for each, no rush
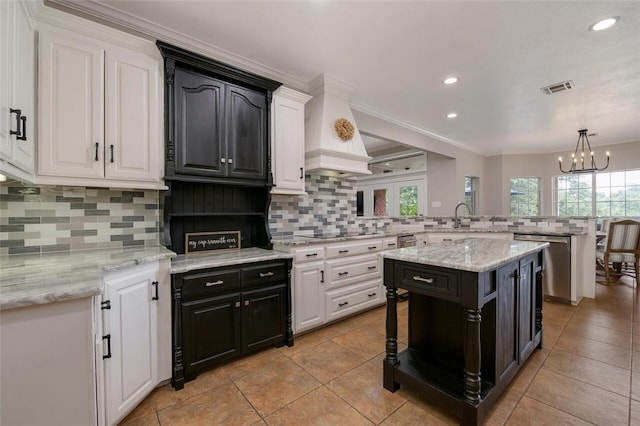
(309, 297)
(211, 331)
(132, 116)
(24, 85)
(246, 133)
(6, 146)
(263, 321)
(131, 372)
(71, 106)
(198, 114)
(288, 152)
(526, 306)
(507, 326)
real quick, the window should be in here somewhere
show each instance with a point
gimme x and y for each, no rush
(470, 191)
(408, 200)
(601, 194)
(393, 197)
(525, 196)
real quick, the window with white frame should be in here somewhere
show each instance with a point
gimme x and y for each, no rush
(601, 194)
(525, 196)
(470, 192)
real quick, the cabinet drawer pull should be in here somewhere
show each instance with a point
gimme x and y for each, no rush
(426, 280)
(111, 146)
(372, 247)
(155, 285)
(97, 146)
(371, 294)
(343, 304)
(211, 284)
(18, 113)
(343, 251)
(312, 254)
(23, 137)
(371, 267)
(340, 274)
(391, 244)
(108, 339)
(322, 277)
(447, 239)
(266, 274)
(301, 173)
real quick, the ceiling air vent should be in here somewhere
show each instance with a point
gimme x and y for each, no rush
(558, 87)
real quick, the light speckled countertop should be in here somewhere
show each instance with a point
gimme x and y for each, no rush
(470, 254)
(185, 263)
(30, 279)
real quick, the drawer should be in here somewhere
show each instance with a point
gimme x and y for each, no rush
(352, 299)
(266, 273)
(340, 272)
(427, 280)
(390, 243)
(309, 254)
(353, 248)
(203, 284)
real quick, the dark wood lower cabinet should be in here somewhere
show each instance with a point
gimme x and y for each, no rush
(469, 332)
(224, 313)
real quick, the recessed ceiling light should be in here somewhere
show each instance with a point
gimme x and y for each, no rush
(452, 115)
(603, 24)
(3, 178)
(387, 164)
(450, 80)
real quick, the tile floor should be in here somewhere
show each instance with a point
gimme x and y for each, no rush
(588, 373)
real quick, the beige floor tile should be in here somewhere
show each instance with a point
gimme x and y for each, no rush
(530, 412)
(319, 408)
(253, 363)
(604, 352)
(526, 374)
(275, 385)
(601, 334)
(434, 414)
(557, 314)
(148, 420)
(223, 405)
(362, 389)
(411, 414)
(603, 320)
(304, 342)
(336, 329)
(166, 396)
(364, 341)
(606, 376)
(208, 380)
(503, 408)
(634, 415)
(327, 361)
(145, 408)
(578, 398)
(552, 333)
(635, 385)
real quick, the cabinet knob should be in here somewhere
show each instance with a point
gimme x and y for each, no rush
(237, 304)
(223, 160)
(211, 284)
(424, 280)
(230, 161)
(246, 303)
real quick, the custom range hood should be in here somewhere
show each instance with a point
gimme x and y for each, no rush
(325, 150)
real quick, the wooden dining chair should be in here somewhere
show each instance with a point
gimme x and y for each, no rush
(622, 250)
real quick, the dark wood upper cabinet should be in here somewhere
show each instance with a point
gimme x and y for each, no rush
(216, 121)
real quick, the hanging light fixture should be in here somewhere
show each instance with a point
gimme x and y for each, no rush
(578, 157)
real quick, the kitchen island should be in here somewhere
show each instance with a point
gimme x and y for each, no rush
(475, 317)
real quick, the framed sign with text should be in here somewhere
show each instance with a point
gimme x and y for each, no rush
(197, 242)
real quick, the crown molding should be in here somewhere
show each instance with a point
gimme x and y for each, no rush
(131, 23)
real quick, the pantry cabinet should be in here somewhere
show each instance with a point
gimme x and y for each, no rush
(100, 112)
(288, 142)
(17, 93)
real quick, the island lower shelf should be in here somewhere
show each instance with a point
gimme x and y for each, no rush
(469, 332)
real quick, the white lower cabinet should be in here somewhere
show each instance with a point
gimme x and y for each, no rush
(354, 298)
(308, 296)
(131, 340)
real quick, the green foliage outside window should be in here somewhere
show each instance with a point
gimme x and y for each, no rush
(525, 196)
(409, 201)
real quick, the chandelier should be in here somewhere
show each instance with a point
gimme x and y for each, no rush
(578, 157)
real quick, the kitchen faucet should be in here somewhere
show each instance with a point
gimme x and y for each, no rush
(456, 221)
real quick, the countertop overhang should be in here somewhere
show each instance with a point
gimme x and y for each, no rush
(29, 279)
(469, 254)
(190, 262)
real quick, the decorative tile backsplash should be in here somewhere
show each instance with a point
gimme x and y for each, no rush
(39, 219)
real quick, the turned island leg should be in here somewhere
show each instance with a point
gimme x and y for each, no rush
(392, 340)
(472, 355)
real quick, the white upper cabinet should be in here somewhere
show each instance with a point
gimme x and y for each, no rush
(287, 153)
(17, 83)
(100, 112)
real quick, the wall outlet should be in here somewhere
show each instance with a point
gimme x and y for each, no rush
(436, 204)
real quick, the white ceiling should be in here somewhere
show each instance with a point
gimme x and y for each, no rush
(397, 53)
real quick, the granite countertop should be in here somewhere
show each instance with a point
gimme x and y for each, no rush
(189, 262)
(521, 230)
(32, 279)
(469, 254)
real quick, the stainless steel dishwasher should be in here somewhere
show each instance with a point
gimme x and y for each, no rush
(556, 280)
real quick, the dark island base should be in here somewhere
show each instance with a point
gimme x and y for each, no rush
(469, 332)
